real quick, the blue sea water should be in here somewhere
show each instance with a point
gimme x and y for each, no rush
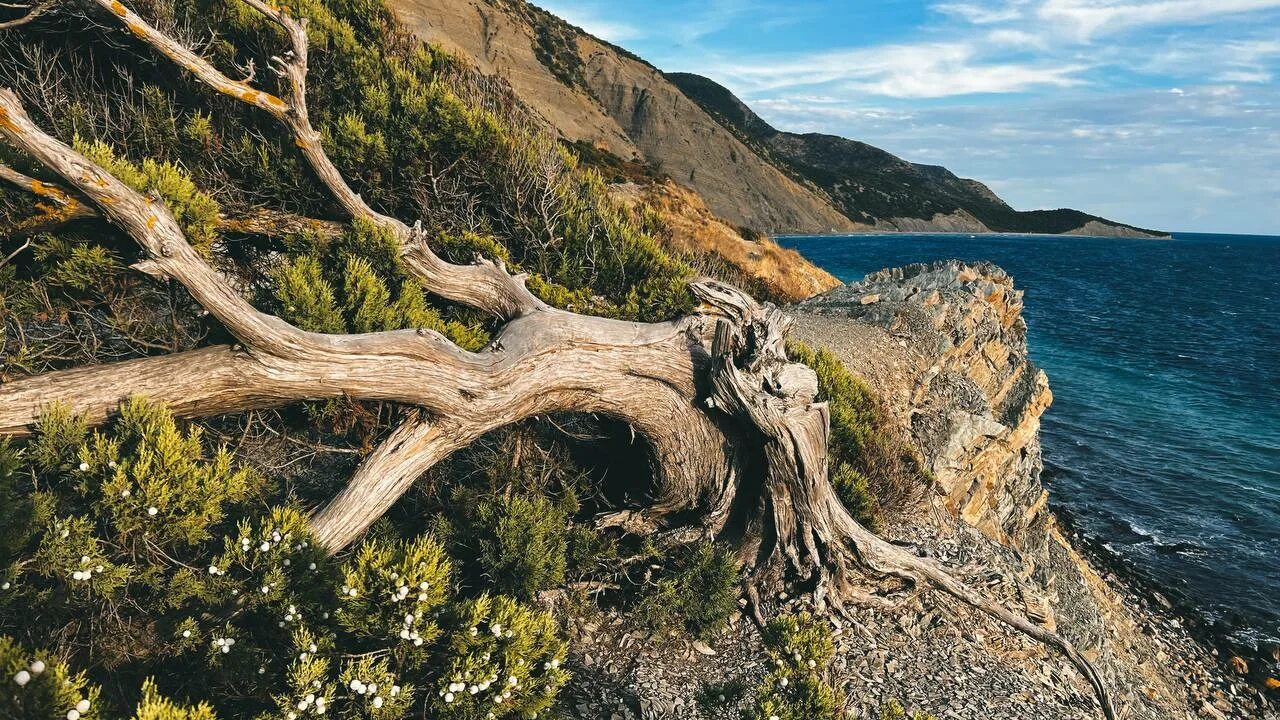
(1163, 443)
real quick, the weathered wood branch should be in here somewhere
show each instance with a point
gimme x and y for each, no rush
(484, 285)
(56, 206)
(34, 11)
(276, 223)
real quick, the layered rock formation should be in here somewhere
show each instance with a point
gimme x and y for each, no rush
(945, 345)
(975, 409)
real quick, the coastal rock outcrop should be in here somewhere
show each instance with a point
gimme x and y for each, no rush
(974, 407)
(945, 346)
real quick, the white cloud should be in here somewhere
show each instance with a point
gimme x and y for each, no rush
(927, 70)
(1244, 76)
(980, 14)
(1085, 19)
(594, 23)
(1012, 38)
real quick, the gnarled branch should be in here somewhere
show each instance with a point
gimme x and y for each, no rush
(484, 285)
(65, 208)
(549, 361)
(34, 11)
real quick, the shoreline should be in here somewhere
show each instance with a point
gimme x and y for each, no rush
(894, 233)
(1163, 602)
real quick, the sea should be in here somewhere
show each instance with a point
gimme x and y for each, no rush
(1162, 447)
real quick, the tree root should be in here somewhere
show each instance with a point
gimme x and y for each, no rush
(811, 535)
(544, 360)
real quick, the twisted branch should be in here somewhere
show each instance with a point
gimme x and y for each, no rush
(33, 11)
(65, 208)
(484, 285)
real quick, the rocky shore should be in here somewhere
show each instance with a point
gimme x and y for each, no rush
(945, 346)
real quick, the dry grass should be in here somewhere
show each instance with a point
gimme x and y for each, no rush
(694, 229)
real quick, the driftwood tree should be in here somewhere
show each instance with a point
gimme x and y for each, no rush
(733, 427)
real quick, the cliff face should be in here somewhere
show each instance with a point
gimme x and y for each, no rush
(682, 141)
(975, 406)
(945, 345)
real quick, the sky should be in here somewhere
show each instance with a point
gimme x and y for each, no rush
(1158, 113)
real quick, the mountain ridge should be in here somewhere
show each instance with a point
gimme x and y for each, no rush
(592, 93)
(855, 175)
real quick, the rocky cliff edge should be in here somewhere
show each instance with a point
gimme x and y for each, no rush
(945, 346)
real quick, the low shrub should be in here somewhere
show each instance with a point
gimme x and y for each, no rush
(37, 686)
(800, 647)
(873, 470)
(195, 211)
(698, 591)
(155, 567)
(522, 543)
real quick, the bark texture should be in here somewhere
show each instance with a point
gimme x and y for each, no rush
(704, 391)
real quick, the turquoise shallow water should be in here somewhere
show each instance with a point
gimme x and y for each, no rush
(1163, 443)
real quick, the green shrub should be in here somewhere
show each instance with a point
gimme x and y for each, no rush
(800, 648)
(343, 287)
(239, 617)
(195, 211)
(872, 470)
(854, 490)
(393, 591)
(24, 510)
(800, 642)
(503, 660)
(305, 297)
(698, 592)
(37, 686)
(152, 482)
(58, 438)
(795, 696)
(523, 544)
(154, 706)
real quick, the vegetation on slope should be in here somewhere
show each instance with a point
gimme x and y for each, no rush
(171, 564)
(873, 470)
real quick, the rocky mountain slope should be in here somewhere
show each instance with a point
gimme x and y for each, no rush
(689, 129)
(872, 186)
(591, 92)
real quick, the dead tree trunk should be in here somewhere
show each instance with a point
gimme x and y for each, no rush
(700, 389)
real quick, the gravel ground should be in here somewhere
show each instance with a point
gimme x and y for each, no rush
(930, 652)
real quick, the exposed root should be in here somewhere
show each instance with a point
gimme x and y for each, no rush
(810, 532)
